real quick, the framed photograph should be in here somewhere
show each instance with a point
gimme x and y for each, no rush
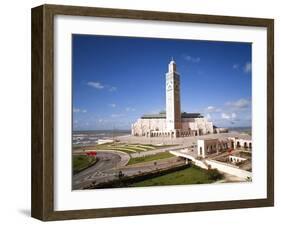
(141, 112)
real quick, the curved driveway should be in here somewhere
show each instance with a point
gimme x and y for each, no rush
(101, 170)
(111, 162)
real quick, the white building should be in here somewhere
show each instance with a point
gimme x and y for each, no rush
(240, 143)
(172, 123)
(207, 147)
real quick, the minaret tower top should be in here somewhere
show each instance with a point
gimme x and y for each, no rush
(172, 66)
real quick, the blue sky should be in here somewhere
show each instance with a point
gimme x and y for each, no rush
(117, 79)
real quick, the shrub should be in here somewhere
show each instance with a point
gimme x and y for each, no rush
(214, 174)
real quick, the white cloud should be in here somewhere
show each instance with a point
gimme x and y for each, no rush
(99, 85)
(225, 116)
(130, 109)
(192, 59)
(208, 116)
(78, 110)
(112, 88)
(239, 104)
(229, 116)
(101, 120)
(112, 105)
(212, 109)
(96, 85)
(247, 67)
(235, 66)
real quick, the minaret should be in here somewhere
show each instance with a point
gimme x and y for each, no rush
(173, 109)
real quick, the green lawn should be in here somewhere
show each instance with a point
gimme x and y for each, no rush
(128, 148)
(192, 175)
(149, 158)
(245, 154)
(124, 149)
(80, 162)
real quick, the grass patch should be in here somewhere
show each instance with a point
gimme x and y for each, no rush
(137, 148)
(245, 154)
(163, 145)
(147, 147)
(149, 158)
(192, 175)
(124, 149)
(81, 162)
(128, 148)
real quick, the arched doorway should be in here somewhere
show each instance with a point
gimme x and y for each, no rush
(238, 144)
(201, 152)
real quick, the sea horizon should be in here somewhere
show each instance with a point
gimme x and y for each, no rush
(129, 130)
(102, 130)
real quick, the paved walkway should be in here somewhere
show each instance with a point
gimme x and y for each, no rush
(230, 178)
(125, 158)
(156, 151)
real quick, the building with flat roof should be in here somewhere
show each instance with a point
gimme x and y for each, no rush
(209, 146)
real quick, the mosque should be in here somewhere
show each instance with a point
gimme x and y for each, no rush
(173, 123)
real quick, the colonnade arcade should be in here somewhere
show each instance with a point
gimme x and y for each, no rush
(174, 133)
(241, 143)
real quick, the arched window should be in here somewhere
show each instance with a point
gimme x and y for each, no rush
(238, 144)
(200, 152)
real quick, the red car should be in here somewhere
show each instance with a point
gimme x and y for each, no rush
(91, 153)
(230, 150)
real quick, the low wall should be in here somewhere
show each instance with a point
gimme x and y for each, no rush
(226, 168)
(200, 164)
(220, 166)
(196, 162)
(125, 181)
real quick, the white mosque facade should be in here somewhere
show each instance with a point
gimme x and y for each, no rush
(172, 123)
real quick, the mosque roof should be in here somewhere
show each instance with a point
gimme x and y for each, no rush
(163, 115)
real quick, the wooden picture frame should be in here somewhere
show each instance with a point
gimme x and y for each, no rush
(43, 112)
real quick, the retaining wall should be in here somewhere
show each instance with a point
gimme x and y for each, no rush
(226, 168)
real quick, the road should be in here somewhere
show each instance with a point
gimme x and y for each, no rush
(151, 166)
(108, 167)
(106, 161)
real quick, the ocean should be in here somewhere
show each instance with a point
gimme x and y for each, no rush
(247, 130)
(90, 137)
(85, 138)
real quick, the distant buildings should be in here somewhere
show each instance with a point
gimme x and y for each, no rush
(222, 154)
(206, 147)
(173, 122)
